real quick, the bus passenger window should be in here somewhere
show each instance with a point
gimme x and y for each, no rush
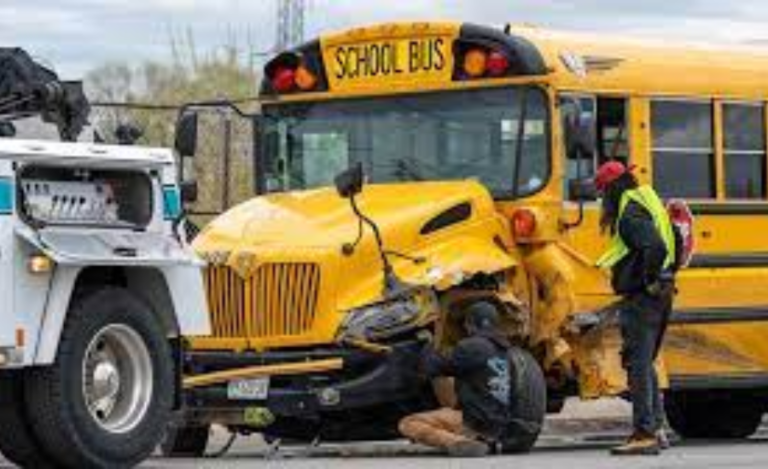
(683, 155)
(744, 141)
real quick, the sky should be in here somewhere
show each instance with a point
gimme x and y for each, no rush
(75, 36)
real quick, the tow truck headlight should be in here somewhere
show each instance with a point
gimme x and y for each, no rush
(40, 264)
(390, 318)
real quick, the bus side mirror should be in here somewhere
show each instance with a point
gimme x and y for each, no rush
(579, 127)
(186, 134)
(350, 182)
(582, 190)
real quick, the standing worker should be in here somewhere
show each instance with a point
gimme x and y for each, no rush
(481, 371)
(642, 258)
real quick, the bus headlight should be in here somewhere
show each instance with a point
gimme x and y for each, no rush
(390, 318)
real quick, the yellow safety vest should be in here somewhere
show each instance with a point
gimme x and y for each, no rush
(649, 200)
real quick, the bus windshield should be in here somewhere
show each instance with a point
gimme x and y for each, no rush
(497, 136)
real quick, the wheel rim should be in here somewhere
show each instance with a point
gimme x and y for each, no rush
(117, 378)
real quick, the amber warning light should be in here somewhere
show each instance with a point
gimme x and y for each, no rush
(290, 73)
(480, 62)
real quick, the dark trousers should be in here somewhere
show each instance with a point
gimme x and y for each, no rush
(644, 321)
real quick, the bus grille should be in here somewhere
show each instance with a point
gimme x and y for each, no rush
(277, 300)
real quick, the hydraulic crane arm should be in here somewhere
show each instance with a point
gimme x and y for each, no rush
(29, 89)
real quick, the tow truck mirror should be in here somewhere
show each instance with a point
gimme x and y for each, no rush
(350, 182)
(582, 190)
(186, 134)
(189, 192)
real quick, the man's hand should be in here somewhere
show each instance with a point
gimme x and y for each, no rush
(662, 286)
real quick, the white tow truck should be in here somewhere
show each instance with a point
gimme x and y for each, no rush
(97, 289)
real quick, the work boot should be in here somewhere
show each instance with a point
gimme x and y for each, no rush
(468, 449)
(663, 439)
(639, 444)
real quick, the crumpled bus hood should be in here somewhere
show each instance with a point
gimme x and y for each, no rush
(293, 227)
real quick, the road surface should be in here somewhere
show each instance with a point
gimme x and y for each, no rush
(579, 438)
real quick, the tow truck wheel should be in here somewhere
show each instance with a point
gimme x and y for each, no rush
(17, 442)
(185, 441)
(528, 389)
(697, 414)
(106, 400)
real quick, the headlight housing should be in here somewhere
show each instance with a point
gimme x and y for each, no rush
(391, 317)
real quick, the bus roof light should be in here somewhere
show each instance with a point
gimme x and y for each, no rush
(497, 64)
(475, 63)
(284, 79)
(305, 79)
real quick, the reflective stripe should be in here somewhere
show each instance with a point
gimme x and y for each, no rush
(171, 202)
(6, 196)
(647, 198)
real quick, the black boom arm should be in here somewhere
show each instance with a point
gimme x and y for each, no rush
(29, 89)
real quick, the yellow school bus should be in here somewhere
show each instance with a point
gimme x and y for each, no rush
(475, 143)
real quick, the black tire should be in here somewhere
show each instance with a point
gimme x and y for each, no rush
(702, 415)
(528, 389)
(18, 443)
(72, 434)
(185, 441)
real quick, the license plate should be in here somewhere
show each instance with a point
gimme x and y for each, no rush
(253, 389)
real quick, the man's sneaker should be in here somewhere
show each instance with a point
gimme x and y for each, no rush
(663, 439)
(638, 445)
(468, 449)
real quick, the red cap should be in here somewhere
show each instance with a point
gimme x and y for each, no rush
(609, 172)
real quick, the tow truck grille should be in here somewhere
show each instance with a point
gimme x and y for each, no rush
(277, 300)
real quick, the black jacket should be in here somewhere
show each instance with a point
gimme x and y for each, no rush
(645, 261)
(481, 370)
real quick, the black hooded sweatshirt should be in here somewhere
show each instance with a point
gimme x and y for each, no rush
(480, 366)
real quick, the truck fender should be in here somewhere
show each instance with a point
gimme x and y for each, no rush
(175, 294)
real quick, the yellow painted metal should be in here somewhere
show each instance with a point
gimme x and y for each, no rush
(281, 302)
(285, 369)
(392, 56)
(369, 346)
(718, 142)
(622, 65)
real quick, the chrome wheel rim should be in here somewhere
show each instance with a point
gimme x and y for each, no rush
(117, 378)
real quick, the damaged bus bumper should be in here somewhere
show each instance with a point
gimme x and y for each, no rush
(303, 384)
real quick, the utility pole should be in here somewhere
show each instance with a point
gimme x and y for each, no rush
(290, 23)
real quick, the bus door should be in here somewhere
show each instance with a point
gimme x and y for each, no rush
(610, 136)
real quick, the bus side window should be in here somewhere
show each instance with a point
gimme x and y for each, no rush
(612, 130)
(744, 150)
(683, 145)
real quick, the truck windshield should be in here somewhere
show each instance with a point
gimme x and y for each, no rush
(497, 136)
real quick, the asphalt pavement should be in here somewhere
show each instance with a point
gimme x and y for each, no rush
(567, 454)
(578, 438)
